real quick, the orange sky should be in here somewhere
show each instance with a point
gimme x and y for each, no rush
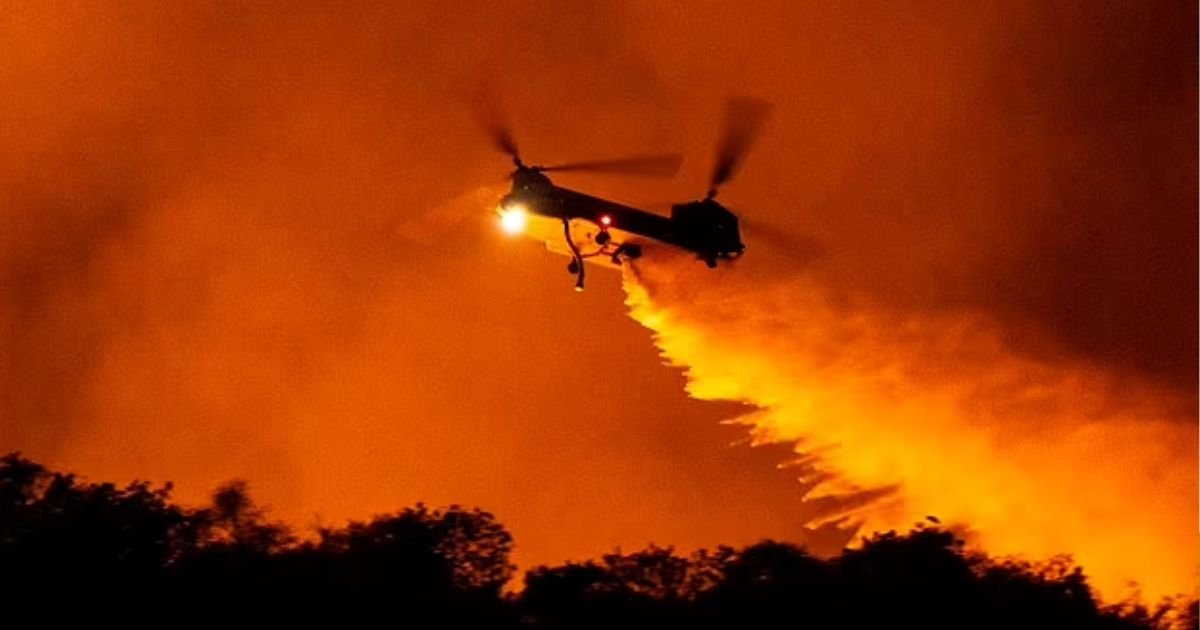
(241, 241)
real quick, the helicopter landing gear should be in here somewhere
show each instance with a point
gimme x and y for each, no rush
(576, 264)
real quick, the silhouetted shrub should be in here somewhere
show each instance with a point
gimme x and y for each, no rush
(102, 552)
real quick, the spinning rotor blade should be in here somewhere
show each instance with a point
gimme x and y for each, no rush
(489, 110)
(647, 166)
(794, 246)
(503, 139)
(744, 119)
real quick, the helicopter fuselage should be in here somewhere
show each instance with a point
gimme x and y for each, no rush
(594, 227)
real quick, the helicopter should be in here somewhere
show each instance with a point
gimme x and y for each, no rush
(592, 229)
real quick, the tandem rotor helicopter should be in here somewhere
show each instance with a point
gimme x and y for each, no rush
(599, 230)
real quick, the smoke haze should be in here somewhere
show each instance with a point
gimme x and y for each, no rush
(242, 241)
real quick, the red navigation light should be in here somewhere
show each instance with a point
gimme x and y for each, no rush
(606, 220)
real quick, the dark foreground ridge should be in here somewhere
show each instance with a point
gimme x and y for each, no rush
(70, 549)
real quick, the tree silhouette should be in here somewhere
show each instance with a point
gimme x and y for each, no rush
(74, 549)
(52, 525)
(447, 561)
(235, 520)
(771, 579)
(67, 546)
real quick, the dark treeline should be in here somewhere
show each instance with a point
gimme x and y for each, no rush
(70, 549)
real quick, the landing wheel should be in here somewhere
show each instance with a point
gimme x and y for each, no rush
(573, 267)
(711, 261)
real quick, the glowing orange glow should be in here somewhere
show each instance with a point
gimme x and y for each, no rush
(259, 240)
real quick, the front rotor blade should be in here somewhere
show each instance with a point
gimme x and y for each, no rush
(503, 138)
(489, 110)
(744, 118)
(646, 165)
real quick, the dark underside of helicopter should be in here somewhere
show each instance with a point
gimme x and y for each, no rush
(704, 226)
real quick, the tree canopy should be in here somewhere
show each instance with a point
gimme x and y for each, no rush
(69, 548)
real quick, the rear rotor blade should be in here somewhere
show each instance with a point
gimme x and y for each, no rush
(646, 166)
(793, 246)
(744, 118)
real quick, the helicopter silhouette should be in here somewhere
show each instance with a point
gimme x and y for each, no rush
(596, 228)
